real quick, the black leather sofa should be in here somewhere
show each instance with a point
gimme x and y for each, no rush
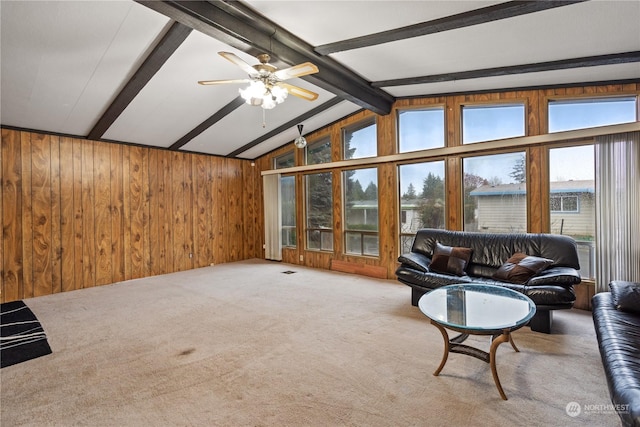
(616, 318)
(550, 289)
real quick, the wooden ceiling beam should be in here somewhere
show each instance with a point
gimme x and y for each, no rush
(563, 64)
(460, 20)
(237, 25)
(172, 39)
(213, 119)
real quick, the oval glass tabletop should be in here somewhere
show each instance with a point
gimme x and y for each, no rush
(476, 307)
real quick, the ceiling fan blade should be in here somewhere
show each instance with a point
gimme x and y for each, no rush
(296, 71)
(239, 62)
(299, 92)
(221, 82)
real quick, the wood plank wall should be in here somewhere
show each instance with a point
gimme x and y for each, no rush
(79, 213)
(536, 104)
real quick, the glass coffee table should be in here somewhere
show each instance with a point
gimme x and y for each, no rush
(474, 309)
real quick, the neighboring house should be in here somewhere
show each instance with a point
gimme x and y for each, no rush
(362, 212)
(410, 221)
(502, 208)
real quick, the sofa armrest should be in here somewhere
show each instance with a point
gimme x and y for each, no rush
(416, 261)
(563, 276)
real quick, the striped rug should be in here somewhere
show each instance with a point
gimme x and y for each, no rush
(22, 337)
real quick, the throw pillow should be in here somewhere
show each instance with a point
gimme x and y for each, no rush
(450, 260)
(626, 296)
(521, 267)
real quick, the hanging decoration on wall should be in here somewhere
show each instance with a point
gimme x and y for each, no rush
(300, 141)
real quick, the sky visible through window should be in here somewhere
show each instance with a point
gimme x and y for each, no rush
(565, 115)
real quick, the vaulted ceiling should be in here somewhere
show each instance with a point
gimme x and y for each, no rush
(127, 71)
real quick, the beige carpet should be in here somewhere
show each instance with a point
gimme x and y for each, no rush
(243, 344)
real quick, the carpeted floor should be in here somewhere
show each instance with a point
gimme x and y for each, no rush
(243, 344)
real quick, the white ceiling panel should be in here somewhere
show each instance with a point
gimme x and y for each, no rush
(245, 123)
(173, 102)
(62, 62)
(342, 19)
(566, 32)
(334, 113)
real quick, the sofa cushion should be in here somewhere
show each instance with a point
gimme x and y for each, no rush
(450, 259)
(626, 296)
(521, 267)
(416, 261)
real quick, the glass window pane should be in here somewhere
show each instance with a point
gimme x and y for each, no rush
(353, 243)
(361, 210)
(420, 129)
(319, 152)
(287, 160)
(572, 200)
(319, 211)
(422, 199)
(288, 210)
(491, 122)
(495, 193)
(586, 113)
(370, 245)
(360, 141)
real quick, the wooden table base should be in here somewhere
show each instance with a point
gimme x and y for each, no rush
(454, 345)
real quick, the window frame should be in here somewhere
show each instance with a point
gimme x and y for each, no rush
(319, 141)
(498, 103)
(587, 98)
(294, 228)
(321, 231)
(438, 106)
(362, 232)
(290, 153)
(354, 127)
(562, 198)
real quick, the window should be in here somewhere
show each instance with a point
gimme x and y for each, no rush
(495, 193)
(287, 160)
(361, 211)
(572, 200)
(319, 152)
(592, 112)
(563, 203)
(491, 122)
(288, 210)
(421, 129)
(422, 199)
(319, 211)
(360, 140)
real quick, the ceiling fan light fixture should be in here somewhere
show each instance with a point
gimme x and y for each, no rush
(265, 95)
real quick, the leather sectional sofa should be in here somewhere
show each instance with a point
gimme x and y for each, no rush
(551, 284)
(616, 317)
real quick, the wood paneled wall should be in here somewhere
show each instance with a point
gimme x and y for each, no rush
(536, 104)
(79, 213)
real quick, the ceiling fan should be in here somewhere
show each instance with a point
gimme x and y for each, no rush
(266, 83)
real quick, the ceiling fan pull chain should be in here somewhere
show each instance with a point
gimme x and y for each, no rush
(264, 118)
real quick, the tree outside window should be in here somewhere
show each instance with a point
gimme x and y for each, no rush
(319, 211)
(422, 199)
(361, 212)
